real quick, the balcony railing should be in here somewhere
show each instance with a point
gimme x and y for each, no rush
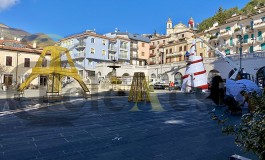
(231, 45)
(152, 46)
(134, 47)
(248, 55)
(213, 38)
(174, 54)
(80, 47)
(123, 47)
(79, 55)
(152, 63)
(259, 25)
(112, 48)
(260, 39)
(226, 33)
(152, 55)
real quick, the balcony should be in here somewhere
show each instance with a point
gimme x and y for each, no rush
(78, 55)
(80, 47)
(161, 45)
(112, 48)
(222, 46)
(231, 45)
(152, 46)
(213, 39)
(247, 42)
(123, 46)
(260, 40)
(174, 54)
(237, 32)
(152, 63)
(134, 47)
(259, 25)
(134, 57)
(248, 30)
(226, 33)
(152, 55)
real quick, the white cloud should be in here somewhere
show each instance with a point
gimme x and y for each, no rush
(4, 4)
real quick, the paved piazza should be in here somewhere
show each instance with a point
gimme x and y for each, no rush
(108, 127)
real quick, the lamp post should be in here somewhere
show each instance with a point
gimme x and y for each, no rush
(240, 47)
(17, 68)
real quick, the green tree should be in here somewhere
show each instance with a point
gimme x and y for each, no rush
(250, 133)
(250, 7)
(220, 16)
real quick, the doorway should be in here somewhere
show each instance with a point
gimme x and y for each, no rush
(8, 79)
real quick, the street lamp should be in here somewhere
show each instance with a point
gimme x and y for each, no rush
(240, 47)
(17, 68)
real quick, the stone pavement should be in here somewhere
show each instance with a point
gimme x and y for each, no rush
(110, 128)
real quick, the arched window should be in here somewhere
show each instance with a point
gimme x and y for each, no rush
(261, 77)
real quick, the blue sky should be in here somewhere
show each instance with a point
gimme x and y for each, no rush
(65, 17)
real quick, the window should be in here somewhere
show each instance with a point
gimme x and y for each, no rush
(92, 40)
(164, 41)
(157, 42)
(153, 43)
(153, 51)
(228, 28)
(170, 50)
(92, 51)
(183, 35)
(142, 53)
(201, 45)
(185, 48)
(142, 44)
(180, 48)
(103, 42)
(166, 51)
(103, 52)
(27, 62)
(44, 62)
(8, 61)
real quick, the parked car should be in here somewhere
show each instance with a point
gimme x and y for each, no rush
(160, 85)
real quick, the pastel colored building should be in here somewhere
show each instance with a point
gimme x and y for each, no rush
(17, 61)
(139, 47)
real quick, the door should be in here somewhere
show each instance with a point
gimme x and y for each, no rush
(251, 49)
(227, 51)
(245, 38)
(8, 78)
(259, 35)
(231, 41)
(43, 80)
(262, 46)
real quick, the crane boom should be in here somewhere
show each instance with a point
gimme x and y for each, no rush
(234, 66)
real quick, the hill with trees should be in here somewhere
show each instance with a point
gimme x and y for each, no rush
(221, 15)
(41, 39)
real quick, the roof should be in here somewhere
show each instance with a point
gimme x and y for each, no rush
(131, 36)
(28, 50)
(138, 37)
(86, 33)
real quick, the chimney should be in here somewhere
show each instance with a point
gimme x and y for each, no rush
(34, 45)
